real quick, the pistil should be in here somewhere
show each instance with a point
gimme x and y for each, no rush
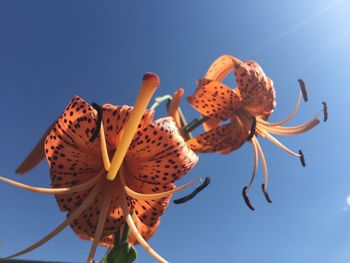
(149, 85)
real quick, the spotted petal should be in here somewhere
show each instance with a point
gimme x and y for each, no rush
(215, 100)
(159, 155)
(256, 89)
(224, 139)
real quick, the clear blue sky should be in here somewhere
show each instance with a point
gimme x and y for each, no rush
(99, 50)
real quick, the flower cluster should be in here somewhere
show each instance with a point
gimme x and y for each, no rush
(113, 168)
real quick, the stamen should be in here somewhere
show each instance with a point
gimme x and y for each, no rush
(149, 84)
(292, 130)
(55, 191)
(246, 199)
(256, 162)
(266, 194)
(35, 156)
(136, 233)
(302, 159)
(194, 192)
(104, 151)
(252, 129)
(277, 142)
(303, 89)
(325, 111)
(263, 160)
(294, 112)
(146, 197)
(65, 223)
(100, 224)
(99, 110)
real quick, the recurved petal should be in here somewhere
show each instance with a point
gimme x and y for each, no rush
(158, 154)
(221, 67)
(72, 158)
(224, 139)
(215, 100)
(76, 125)
(256, 89)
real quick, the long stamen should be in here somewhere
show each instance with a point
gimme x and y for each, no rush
(35, 156)
(256, 162)
(65, 223)
(194, 192)
(149, 84)
(291, 130)
(136, 233)
(146, 197)
(100, 224)
(54, 191)
(246, 188)
(104, 151)
(277, 143)
(294, 112)
(263, 160)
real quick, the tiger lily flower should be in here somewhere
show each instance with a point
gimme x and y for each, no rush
(247, 107)
(99, 195)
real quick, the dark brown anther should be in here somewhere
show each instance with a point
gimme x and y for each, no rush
(266, 194)
(325, 111)
(303, 89)
(99, 110)
(188, 197)
(302, 160)
(252, 129)
(246, 199)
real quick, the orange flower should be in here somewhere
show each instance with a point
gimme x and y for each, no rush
(247, 107)
(98, 196)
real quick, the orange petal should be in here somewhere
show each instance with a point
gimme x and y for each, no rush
(256, 89)
(35, 156)
(159, 155)
(115, 118)
(225, 138)
(216, 100)
(85, 225)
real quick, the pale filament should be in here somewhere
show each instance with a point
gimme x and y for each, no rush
(294, 112)
(146, 197)
(290, 130)
(55, 191)
(256, 162)
(136, 233)
(272, 139)
(262, 156)
(65, 223)
(101, 222)
(104, 151)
